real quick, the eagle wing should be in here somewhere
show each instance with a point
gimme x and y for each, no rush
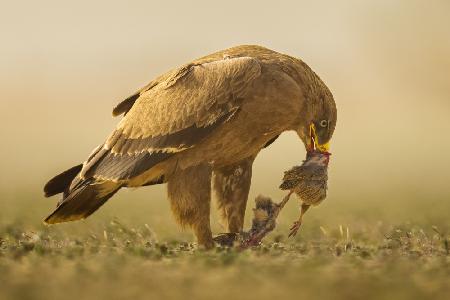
(172, 114)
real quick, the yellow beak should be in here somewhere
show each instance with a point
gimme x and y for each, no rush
(323, 148)
(314, 141)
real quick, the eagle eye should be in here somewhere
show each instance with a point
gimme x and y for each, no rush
(323, 123)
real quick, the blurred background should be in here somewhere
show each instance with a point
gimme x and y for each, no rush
(64, 66)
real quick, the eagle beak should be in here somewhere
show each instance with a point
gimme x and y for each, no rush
(323, 148)
(313, 144)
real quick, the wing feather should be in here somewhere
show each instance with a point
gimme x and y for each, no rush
(198, 95)
(174, 113)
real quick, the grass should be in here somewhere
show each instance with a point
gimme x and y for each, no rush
(132, 248)
(113, 260)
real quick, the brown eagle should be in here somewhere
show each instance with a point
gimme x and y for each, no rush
(203, 122)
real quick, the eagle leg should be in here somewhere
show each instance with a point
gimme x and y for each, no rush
(231, 186)
(189, 192)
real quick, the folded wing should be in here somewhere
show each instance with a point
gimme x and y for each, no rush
(172, 114)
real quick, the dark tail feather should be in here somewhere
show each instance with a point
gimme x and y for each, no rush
(82, 201)
(60, 183)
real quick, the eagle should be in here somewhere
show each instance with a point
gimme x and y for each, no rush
(198, 128)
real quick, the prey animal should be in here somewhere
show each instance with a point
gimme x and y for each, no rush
(201, 123)
(308, 182)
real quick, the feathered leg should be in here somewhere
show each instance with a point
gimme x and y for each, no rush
(231, 186)
(189, 192)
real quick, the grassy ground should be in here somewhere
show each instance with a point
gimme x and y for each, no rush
(107, 257)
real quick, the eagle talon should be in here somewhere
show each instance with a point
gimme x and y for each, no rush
(226, 239)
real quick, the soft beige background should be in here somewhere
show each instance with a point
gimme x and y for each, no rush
(64, 65)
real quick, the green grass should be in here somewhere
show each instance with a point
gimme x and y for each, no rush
(113, 260)
(133, 249)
